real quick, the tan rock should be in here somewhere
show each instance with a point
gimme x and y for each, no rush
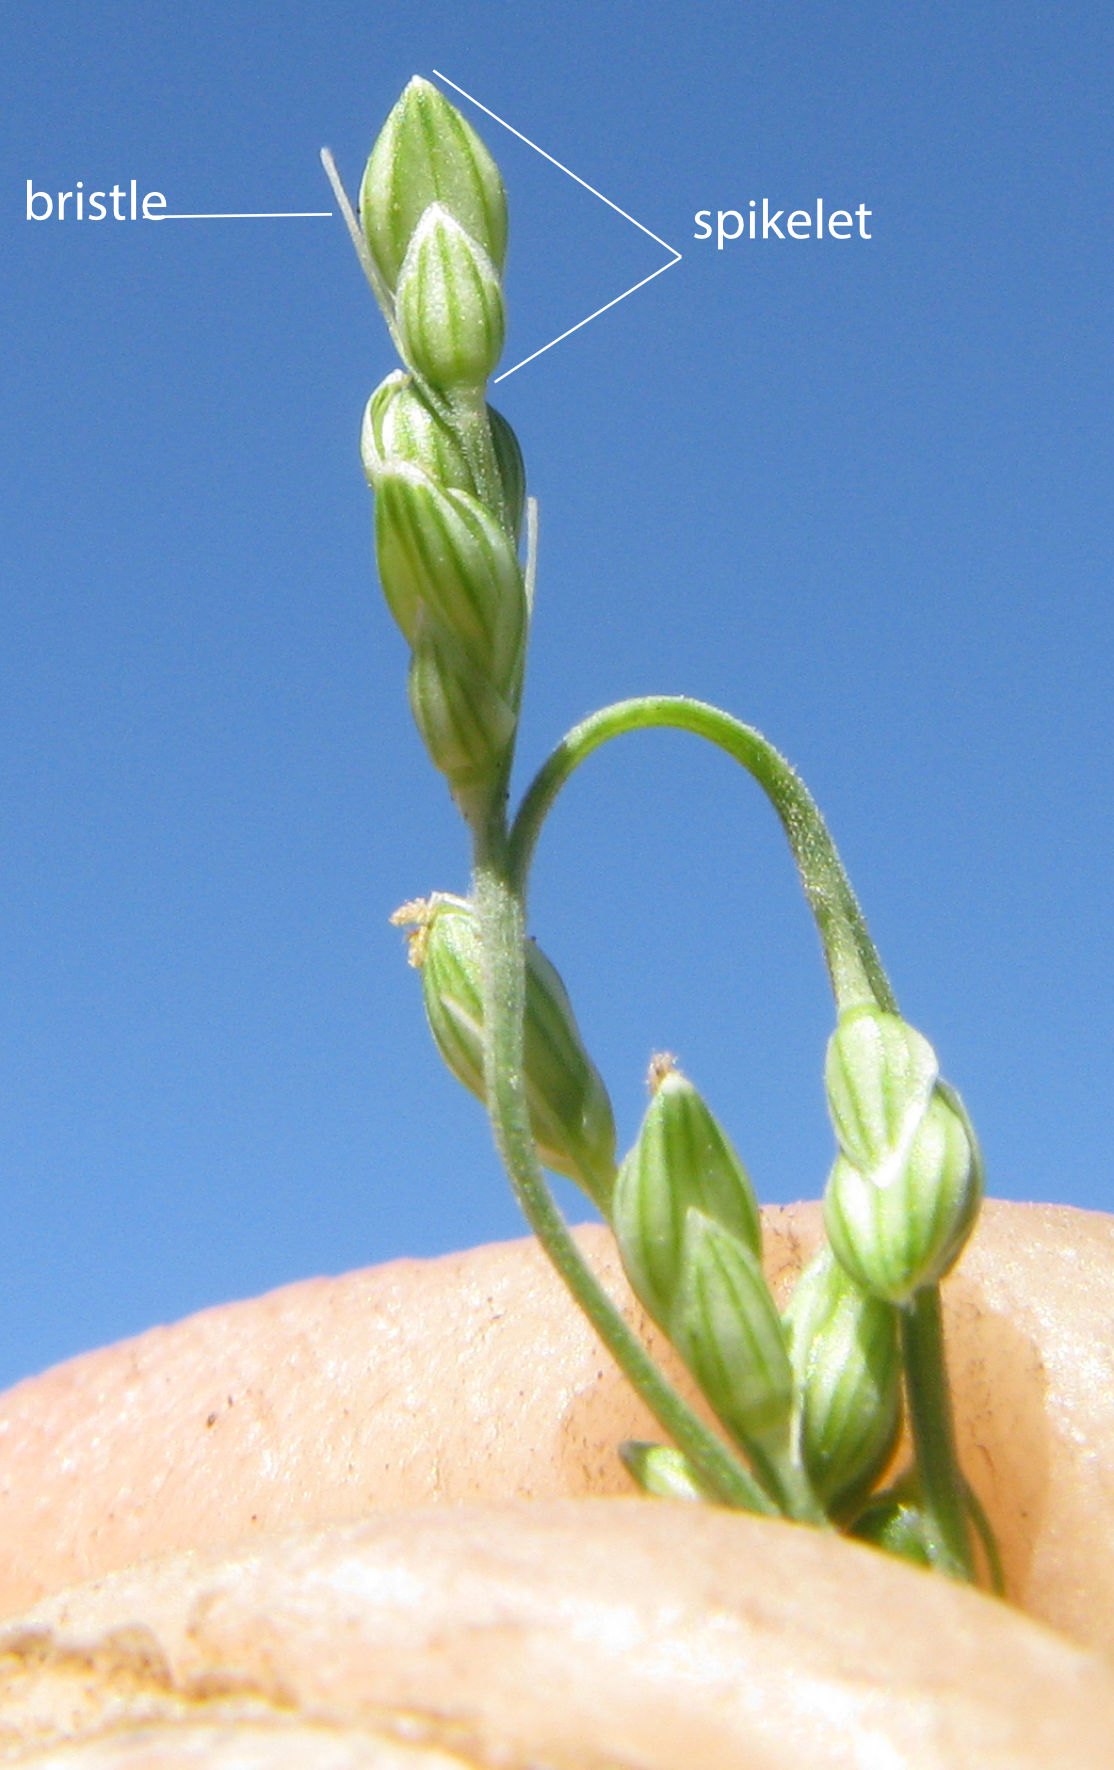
(278, 1744)
(575, 1634)
(238, 1744)
(473, 1377)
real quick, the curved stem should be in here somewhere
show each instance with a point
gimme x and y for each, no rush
(502, 929)
(857, 976)
(944, 1494)
(853, 963)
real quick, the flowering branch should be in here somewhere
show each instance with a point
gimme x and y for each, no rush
(808, 1403)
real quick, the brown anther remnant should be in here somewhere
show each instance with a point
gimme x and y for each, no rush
(662, 1064)
(416, 917)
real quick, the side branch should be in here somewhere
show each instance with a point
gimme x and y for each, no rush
(854, 966)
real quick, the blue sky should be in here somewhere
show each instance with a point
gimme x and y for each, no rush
(858, 492)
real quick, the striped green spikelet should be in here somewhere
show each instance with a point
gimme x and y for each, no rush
(726, 1328)
(445, 560)
(449, 305)
(467, 726)
(400, 425)
(445, 469)
(682, 1158)
(427, 153)
(906, 1186)
(570, 1112)
(843, 1346)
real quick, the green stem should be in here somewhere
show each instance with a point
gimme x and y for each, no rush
(786, 1477)
(853, 962)
(942, 1486)
(984, 1530)
(468, 417)
(501, 917)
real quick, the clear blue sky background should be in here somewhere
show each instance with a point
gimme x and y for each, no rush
(859, 493)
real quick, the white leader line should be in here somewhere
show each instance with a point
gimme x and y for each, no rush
(249, 215)
(591, 316)
(675, 259)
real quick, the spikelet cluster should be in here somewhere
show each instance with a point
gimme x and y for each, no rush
(445, 468)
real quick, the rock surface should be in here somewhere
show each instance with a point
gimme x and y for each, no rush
(473, 1377)
(375, 1523)
(574, 1634)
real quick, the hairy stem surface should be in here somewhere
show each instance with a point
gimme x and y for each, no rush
(852, 959)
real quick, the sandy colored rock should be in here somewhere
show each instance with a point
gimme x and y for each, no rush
(246, 1745)
(575, 1634)
(1030, 1323)
(462, 1378)
(473, 1377)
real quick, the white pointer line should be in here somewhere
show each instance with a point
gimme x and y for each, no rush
(560, 168)
(591, 316)
(249, 215)
(575, 176)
